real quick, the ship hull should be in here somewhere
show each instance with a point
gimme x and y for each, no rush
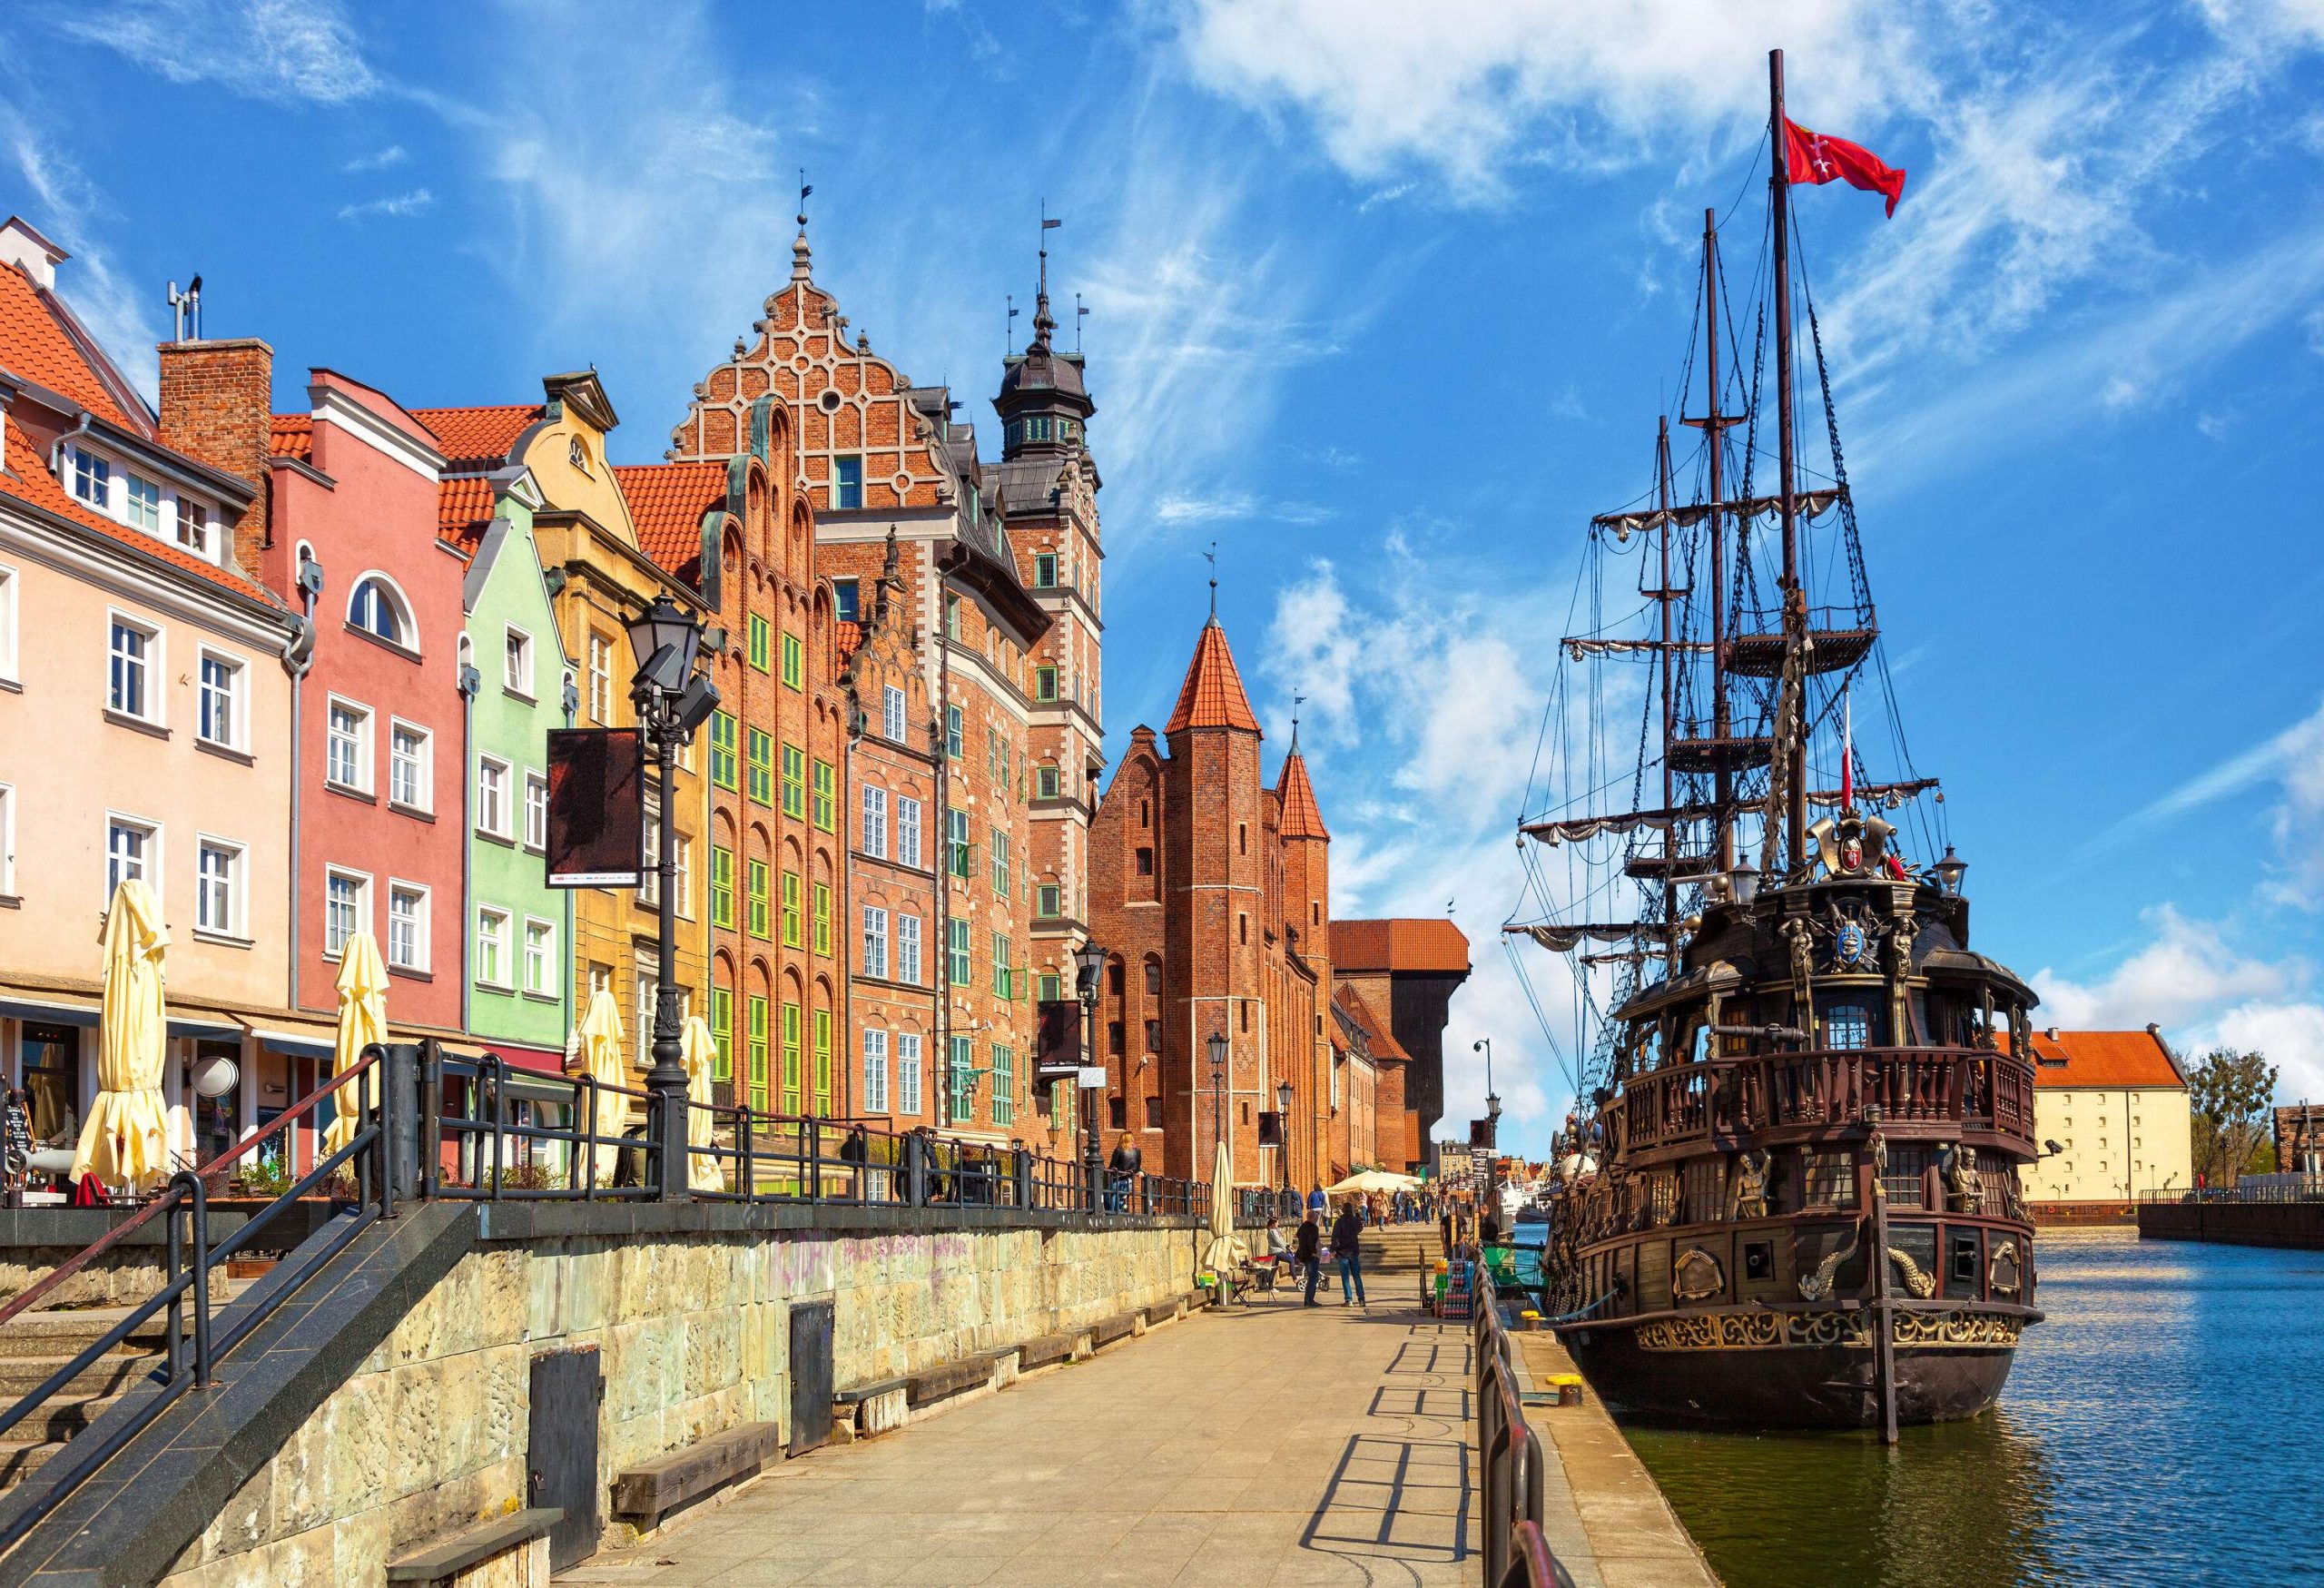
(1793, 1386)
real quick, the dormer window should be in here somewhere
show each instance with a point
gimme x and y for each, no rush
(141, 505)
(127, 497)
(375, 608)
(194, 529)
(91, 478)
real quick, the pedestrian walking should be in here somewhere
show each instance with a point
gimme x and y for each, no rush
(1307, 1250)
(1346, 1232)
(1317, 1204)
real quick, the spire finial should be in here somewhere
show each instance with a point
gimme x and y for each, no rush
(1211, 556)
(801, 263)
(1296, 702)
(1043, 322)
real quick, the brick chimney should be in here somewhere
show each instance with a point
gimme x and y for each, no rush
(217, 404)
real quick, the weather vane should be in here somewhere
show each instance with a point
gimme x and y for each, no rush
(803, 190)
(1211, 556)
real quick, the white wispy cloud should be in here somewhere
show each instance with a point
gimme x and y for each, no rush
(399, 207)
(70, 208)
(393, 155)
(2295, 754)
(280, 50)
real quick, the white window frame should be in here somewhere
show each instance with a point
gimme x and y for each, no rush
(8, 582)
(875, 941)
(407, 617)
(908, 816)
(363, 746)
(600, 701)
(908, 1073)
(546, 987)
(421, 928)
(148, 865)
(907, 947)
(891, 714)
(71, 468)
(426, 780)
(237, 692)
(130, 495)
(154, 664)
(536, 811)
(362, 880)
(875, 821)
(186, 515)
(7, 839)
(517, 653)
(484, 818)
(649, 880)
(682, 852)
(236, 924)
(875, 1070)
(504, 949)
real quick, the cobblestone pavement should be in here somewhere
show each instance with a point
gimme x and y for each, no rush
(1270, 1443)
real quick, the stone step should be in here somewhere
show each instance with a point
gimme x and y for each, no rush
(19, 1459)
(109, 1374)
(61, 1418)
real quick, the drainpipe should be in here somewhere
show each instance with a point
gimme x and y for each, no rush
(943, 746)
(311, 584)
(849, 817)
(470, 681)
(572, 703)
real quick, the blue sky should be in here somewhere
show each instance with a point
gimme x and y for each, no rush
(1386, 305)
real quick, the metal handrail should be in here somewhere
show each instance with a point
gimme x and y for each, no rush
(1509, 1457)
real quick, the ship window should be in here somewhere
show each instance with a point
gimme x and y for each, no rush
(1962, 1269)
(1828, 1179)
(1661, 1197)
(1848, 1025)
(1906, 1179)
(1706, 1190)
(1759, 1260)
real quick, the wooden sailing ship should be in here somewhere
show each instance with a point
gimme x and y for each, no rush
(1790, 1196)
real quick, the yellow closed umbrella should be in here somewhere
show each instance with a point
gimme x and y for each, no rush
(1226, 1250)
(699, 1054)
(362, 1021)
(125, 1140)
(600, 1056)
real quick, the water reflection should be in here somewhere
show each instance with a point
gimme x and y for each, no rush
(2164, 1424)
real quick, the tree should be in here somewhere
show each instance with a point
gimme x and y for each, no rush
(2230, 1092)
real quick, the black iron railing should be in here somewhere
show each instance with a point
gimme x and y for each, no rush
(1508, 1458)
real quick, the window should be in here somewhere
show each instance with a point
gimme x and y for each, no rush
(755, 879)
(762, 760)
(754, 1012)
(1848, 1025)
(952, 735)
(1046, 898)
(792, 936)
(347, 747)
(891, 714)
(649, 887)
(1045, 570)
(847, 483)
(8, 623)
(790, 1058)
(492, 802)
(845, 604)
(536, 811)
(406, 927)
(822, 1061)
(193, 529)
(875, 822)
(908, 949)
(218, 887)
(875, 1071)
(517, 664)
(722, 886)
(795, 781)
(957, 819)
(1113, 1036)
(540, 958)
(135, 657)
(601, 679)
(92, 480)
(1004, 1084)
(1146, 863)
(819, 910)
(826, 797)
(908, 830)
(1004, 979)
(141, 505)
(722, 749)
(1044, 783)
(408, 765)
(1045, 683)
(1242, 838)
(1154, 1113)
(649, 1000)
(491, 946)
(7, 842)
(908, 1072)
(1154, 1036)
(681, 863)
(999, 864)
(221, 700)
(1242, 928)
(374, 607)
(1153, 977)
(762, 638)
(794, 670)
(875, 941)
(1052, 988)
(952, 617)
(957, 934)
(347, 908)
(721, 1026)
(961, 1080)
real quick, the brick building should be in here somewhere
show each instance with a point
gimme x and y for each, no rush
(1406, 972)
(877, 455)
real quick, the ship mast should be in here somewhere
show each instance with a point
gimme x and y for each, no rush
(1664, 595)
(1795, 600)
(1713, 425)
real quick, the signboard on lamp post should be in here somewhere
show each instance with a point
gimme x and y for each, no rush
(596, 808)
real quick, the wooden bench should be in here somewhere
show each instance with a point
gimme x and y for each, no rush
(1107, 1330)
(1043, 1349)
(443, 1563)
(646, 1492)
(865, 1410)
(1163, 1312)
(947, 1379)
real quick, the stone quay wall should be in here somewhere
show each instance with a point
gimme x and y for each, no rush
(2279, 1224)
(693, 1326)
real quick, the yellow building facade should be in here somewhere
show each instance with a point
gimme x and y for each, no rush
(2115, 1104)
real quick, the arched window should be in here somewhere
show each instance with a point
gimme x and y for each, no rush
(377, 607)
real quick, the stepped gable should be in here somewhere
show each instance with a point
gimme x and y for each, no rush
(1212, 696)
(1301, 816)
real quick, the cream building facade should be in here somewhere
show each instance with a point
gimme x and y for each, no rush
(2116, 1105)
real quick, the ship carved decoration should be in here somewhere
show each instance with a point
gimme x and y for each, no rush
(1806, 1101)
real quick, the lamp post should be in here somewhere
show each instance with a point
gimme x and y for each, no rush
(1217, 1046)
(1283, 1134)
(1492, 1098)
(672, 704)
(1089, 966)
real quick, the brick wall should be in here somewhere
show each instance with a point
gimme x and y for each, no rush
(216, 398)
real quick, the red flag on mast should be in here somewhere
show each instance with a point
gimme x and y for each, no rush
(1812, 158)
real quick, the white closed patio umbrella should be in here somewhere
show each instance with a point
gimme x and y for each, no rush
(1226, 1251)
(362, 1021)
(698, 1052)
(126, 1139)
(599, 1044)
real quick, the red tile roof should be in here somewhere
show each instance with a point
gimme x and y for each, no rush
(37, 346)
(1376, 1034)
(292, 435)
(464, 505)
(31, 482)
(2115, 1061)
(1212, 696)
(1301, 817)
(850, 639)
(667, 501)
(479, 437)
(1403, 944)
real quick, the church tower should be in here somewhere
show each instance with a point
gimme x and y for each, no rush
(1304, 1056)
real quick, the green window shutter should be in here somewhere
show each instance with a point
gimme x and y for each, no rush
(791, 937)
(759, 924)
(721, 1026)
(722, 749)
(822, 1061)
(757, 1008)
(795, 781)
(792, 669)
(762, 766)
(821, 901)
(759, 633)
(721, 887)
(790, 1058)
(826, 797)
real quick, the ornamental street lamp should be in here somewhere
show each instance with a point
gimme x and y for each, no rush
(1089, 965)
(1283, 1135)
(1492, 1098)
(1217, 1091)
(1948, 873)
(672, 704)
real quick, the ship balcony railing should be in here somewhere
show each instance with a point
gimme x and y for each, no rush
(1829, 1088)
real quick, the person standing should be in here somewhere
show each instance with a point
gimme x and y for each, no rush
(1447, 1227)
(1307, 1251)
(1348, 1230)
(1122, 1172)
(1317, 1205)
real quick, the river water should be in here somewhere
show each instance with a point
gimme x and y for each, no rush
(2166, 1425)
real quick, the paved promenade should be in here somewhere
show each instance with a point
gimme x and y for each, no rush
(1272, 1443)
